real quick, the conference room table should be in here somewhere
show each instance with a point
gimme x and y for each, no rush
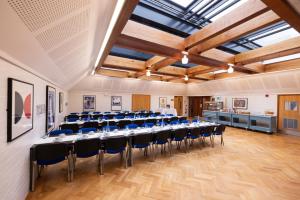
(103, 135)
(81, 122)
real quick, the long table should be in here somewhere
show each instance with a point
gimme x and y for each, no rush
(103, 135)
(80, 122)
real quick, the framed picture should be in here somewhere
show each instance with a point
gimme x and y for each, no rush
(50, 108)
(162, 102)
(240, 103)
(61, 102)
(19, 108)
(116, 103)
(89, 102)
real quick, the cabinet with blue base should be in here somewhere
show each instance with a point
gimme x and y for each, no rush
(211, 116)
(224, 118)
(263, 123)
(242, 121)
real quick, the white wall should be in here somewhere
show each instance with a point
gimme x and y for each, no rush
(257, 103)
(105, 87)
(14, 156)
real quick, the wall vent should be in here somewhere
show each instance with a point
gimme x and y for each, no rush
(290, 123)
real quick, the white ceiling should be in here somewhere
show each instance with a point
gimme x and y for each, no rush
(58, 39)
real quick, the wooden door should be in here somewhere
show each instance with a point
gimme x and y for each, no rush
(289, 114)
(140, 102)
(195, 106)
(178, 104)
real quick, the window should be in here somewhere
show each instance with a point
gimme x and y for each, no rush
(291, 105)
(281, 59)
(183, 3)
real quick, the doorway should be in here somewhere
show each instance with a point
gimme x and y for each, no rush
(196, 105)
(178, 104)
(140, 102)
(289, 114)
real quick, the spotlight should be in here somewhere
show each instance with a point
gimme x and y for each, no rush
(185, 59)
(148, 72)
(186, 78)
(230, 69)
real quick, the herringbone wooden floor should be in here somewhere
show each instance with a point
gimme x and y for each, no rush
(250, 166)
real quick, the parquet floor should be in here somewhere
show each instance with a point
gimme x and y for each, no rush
(251, 165)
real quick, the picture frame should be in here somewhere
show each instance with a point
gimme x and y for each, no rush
(116, 103)
(20, 108)
(61, 102)
(89, 103)
(162, 102)
(240, 103)
(50, 108)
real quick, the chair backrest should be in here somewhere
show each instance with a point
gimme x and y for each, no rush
(195, 132)
(87, 146)
(142, 139)
(74, 113)
(195, 120)
(97, 116)
(58, 132)
(85, 116)
(115, 143)
(109, 128)
(96, 113)
(72, 117)
(180, 134)
(85, 113)
(173, 119)
(87, 130)
(174, 122)
(170, 115)
(109, 123)
(160, 123)
(148, 125)
(208, 130)
(154, 121)
(182, 118)
(157, 113)
(162, 136)
(123, 123)
(106, 112)
(91, 125)
(110, 116)
(185, 121)
(86, 119)
(119, 116)
(51, 152)
(220, 129)
(138, 122)
(132, 126)
(73, 127)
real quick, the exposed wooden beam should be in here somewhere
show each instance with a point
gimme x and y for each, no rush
(123, 17)
(163, 63)
(125, 63)
(284, 48)
(280, 66)
(153, 60)
(113, 73)
(226, 75)
(241, 14)
(252, 25)
(219, 55)
(174, 70)
(286, 11)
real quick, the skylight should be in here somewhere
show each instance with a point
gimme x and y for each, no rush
(183, 3)
(228, 10)
(281, 59)
(202, 5)
(277, 37)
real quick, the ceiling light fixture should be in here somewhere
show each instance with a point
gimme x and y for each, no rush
(230, 69)
(186, 78)
(148, 72)
(185, 59)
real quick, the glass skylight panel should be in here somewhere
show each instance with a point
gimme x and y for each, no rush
(281, 59)
(228, 10)
(220, 8)
(183, 3)
(277, 37)
(201, 5)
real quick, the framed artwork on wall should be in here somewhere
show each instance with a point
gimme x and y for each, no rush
(50, 108)
(61, 102)
(162, 102)
(19, 108)
(89, 103)
(240, 103)
(116, 103)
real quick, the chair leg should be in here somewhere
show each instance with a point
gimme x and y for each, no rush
(125, 158)
(99, 163)
(152, 152)
(186, 145)
(222, 140)
(69, 169)
(33, 175)
(101, 160)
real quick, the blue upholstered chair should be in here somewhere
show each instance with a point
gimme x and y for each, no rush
(110, 128)
(175, 122)
(184, 121)
(58, 132)
(147, 125)
(131, 126)
(87, 130)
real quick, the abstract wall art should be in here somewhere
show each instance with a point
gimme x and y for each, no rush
(50, 108)
(19, 108)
